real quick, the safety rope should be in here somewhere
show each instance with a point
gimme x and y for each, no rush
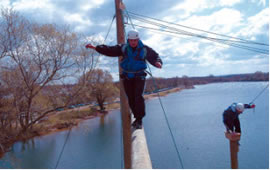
(59, 158)
(260, 93)
(166, 118)
(63, 148)
(109, 29)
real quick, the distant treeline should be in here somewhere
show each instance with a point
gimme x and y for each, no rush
(189, 82)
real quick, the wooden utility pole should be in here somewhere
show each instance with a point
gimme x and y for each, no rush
(234, 148)
(124, 107)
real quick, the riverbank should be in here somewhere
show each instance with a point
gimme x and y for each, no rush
(64, 120)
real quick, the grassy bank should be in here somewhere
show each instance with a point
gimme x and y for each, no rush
(163, 93)
(66, 119)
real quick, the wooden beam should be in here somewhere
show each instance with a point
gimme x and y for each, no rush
(140, 155)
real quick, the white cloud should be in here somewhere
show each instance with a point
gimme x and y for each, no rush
(263, 2)
(188, 47)
(211, 56)
(229, 2)
(222, 21)
(32, 4)
(78, 20)
(74, 18)
(152, 41)
(256, 24)
(187, 51)
(53, 12)
(91, 4)
(4, 3)
(41, 4)
(181, 54)
(259, 2)
(189, 7)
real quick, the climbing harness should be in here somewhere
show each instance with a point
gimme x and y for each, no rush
(133, 61)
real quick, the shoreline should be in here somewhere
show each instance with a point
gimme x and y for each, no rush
(112, 108)
(45, 128)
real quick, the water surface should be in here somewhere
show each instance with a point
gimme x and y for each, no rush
(195, 117)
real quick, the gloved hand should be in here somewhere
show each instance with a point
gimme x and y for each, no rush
(158, 64)
(90, 46)
(252, 105)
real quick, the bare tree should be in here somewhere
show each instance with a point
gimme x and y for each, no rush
(13, 31)
(85, 61)
(100, 85)
(45, 56)
(45, 68)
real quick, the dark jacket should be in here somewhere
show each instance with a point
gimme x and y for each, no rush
(231, 114)
(114, 51)
(231, 117)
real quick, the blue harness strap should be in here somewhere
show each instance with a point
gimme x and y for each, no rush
(133, 62)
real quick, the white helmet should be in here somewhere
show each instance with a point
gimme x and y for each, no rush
(240, 107)
(133, 34)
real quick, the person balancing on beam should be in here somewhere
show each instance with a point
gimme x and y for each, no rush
(133, 64)
(231, 119)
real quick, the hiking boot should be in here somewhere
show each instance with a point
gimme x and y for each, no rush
(137, 124)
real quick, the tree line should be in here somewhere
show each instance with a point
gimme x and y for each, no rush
(189, 82)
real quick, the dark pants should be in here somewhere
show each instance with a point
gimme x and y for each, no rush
(134, 89)
(233, 125)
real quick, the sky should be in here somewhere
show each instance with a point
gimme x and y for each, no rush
(181, 54)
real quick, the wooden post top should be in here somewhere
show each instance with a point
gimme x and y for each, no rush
(233, 136)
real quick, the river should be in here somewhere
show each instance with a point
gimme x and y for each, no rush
(195, 118)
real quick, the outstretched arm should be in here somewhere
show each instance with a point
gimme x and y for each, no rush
(112, 51)
(250, 105)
